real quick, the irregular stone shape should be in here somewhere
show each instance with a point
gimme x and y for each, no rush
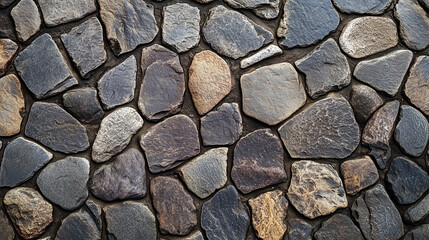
(170, 143)
(116, 87)
(417, 87)
(128, 23)
(232, 34)
(6, 230)
(406, 180)
(5, 3)
(21, 160)
(298, 230)
(223, 126)
(181, 26)
(362, 6)
(157, 53)
(267, 225)
(418, 233)
(43, 69)
(8, 49)
(316, 189)
(272, 93)
(418, 211)
(55, 12)
(115, 133)
(83, 104)
(29, 211)
(26, 18)
(12, 104)
(267, 52)
(85, 46)
(175, 209)
(209, 80)
(7, 29)
(325, 69)
(377, 216)
(338, 227)
(385, 73)
(64, 182)
(207, 172)
(195, 236)
(258, 161)
(267, 9)
(130, 220)
(224, 216)
(358, 174)
(299, 26)
(378, 131)
(125, 178)
(365, 36)
(51, 125)
(364, 101)
(325, 129)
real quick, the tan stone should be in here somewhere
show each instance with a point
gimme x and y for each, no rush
(417, 87)
(359, 174)
(8, 49)
(11, 104)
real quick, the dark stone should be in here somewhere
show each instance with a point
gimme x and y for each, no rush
(195, 236)
(6, 28)
(425, 3)
(298, 230)
(8, 48)
(267, 9)
(57, 12)
(5, 3)
(27, 19)
(418, 233)
(6, 230)
(365, 101)
(83, 104)
(363, 6)
(359, 174)
(417, 87)
(418, 211)
(338, 227)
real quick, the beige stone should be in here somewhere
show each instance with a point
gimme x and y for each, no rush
(358, 174)
(8, 49)
(11, 104)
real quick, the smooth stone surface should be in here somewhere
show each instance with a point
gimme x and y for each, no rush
(418, 233)
(418, 211)
(83, 104)
(358, 174)
(365, 101)
(6, 230)
(417, 88)
(265, 53)
(362, 6)
(325, 129)
(27, 20)
(267, 9)
(12, 105)
(56, 12)
(8, 48)
(272, 93)
(298, 230)
(338, 227)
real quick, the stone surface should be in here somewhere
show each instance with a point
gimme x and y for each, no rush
(12, 105)
(115, 133)
(362, 6)
(258, 161)
(425, 3)
(365, 101)
(7, 29)
(8, 49)
(325, 129)
(358, 174)
(418, 233)
(5, 3)
(195, 236)
(272, 93)
(83, 104)
(232, 34)
(267, 9)
(418, 211)
(298, 230)
(377, 216)
(338, 227)
(417, 87)
(116, 87)
(365, 36)
(325, 69)
(223, 126)
(299, 26)
(224, 216)
(26, 18)
(29, 212)
(55, 12)
(6, 230)
(209, 80)
(64, 182)
(170, 143)
(206, 173)
(265, 53)
(43, 68)
(128, 23)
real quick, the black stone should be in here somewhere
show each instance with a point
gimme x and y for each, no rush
(338, 227)
(418, 233)
(298, 230)
(83, 104)
(363, 6)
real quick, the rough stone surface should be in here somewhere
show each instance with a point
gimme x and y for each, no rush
(5, 3)
(265, 53)
(272, 93)
(417, 87)
(362, 6)
(6, 230)
(6, 28)
(157, 53)
(338, 227)
(267, 9)
(195, 236)
(8, 49)
(418, 211)
(55, 12)
(83, 104)
(26, 18)
(325, 129)
(298, 230)
(12, 104)
(418, 233)
(358, 174)
(365, 101)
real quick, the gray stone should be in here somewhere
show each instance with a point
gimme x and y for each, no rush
(8, 48)
(418, 211)
(418, 233)
(362, 6)
(157, 53)
(5, 3)
(83, 104)
(26, 18)
(7, 29)
(298, 230)
(267, 9)
(195, 236)
(57, 12)
(358, 174)
(267, 52)
(365, 101)
(6, 230)
(338, 227)
(417, 87)
(12, 105)
(325, 69)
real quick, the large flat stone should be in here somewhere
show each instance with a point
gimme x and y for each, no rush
(362, 6)
(83, 104)
(8, 48)
(57, 12)
(267, 9)
(12, 105)
(418, 211)
(26, 18)
(358, 174)
(365, 101)
(338, 227)
(417, 87)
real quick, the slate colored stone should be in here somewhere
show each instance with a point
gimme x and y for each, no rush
(418, 211)
(27, 20)
(325, 129)
(418, 233)
(6, 230)
(298, 230)
(365, 101)
(170, 143)
(338, 227)
(325, 69)
(83, 104)
(12, 105)
(157, 53)
(417, 87)
(43, 69)
(224, 216)
(267, 9)
(64, 182)
(358, 174)
(363, 6)
(195, 236)
(7, 29)
(267, 52)
(8, 49)
(56, 12)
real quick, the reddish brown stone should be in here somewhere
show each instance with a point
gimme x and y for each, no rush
(359, 174)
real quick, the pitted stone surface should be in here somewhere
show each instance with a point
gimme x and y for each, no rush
(8, 48)
(417, 87)
(363, 6)
(55, 12)
(267, 9)
(12, 105)
(365, 101)
(26, 18)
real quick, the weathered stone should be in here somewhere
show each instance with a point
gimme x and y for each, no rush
(157, 53)
(115, 133)
(338, 227)
(298, 230)
(195, 236)
(362, 6)
(267, 9)
(267, 52)
(418, 233)
(365, 36)
(299, 26)
(418, 211)
(207, 172)
(8, 49)
(325, 69)
(325, 129)
(377, 216)
(232, 34)
(26, 18)
(12, 104)
(5, 3)
(7, 29)
(417, 87)
(365, 101)
(128, 23)
(6, 230)
(56, 12)
(29, 211)
(224, 216)
(272, 93)
(43, 69)
(64, 182)
(358, 174)
(83, 104)
(200, 1)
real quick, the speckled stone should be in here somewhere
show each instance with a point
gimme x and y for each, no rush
(365, 101)
(363, 6)
(26, 18)
(55, 12)
(12, 105)
(358, 174)
(417, 87)
(83, 104)
(338, 227)
(8, 48)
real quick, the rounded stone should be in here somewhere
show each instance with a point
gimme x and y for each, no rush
(6, 230)
(418, 211)
(363, 6)
(27, 20)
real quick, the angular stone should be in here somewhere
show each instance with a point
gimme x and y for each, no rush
(298, 230)
(115, 133)
(207, 172)
(157, 53)
(232, 34)
(366, 36)
(6, 230)
(365, 101)
(8, 49)
(418, 211)
(258, 161)
(267, 52)
(325, 129)
(224, 216)
(116, 87)
(358, 174)
(378, 131)
(12, 105)
(7, 29)
(418, 233)
(128, 23)
(417, 87)
(26, 18)
(29, 211)
(57, 12)
(267, 9)
(43, 69)
(84, 43)
(425, 3)
(170, 143)
(64, 182)
(272, 93)
(362, 6)
(299, 26)
(125, 178)
(83, 104)
(338, 227)
(377, 216)
(325, 69)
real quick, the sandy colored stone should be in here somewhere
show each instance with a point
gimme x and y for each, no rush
(8, 49)
(27, 20)
(12, 104)
(358, 174)
(417, 86)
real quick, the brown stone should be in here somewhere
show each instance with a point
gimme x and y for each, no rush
(417, 87)
(11, 105)
(358, 174)
(8, 49)
(6, 230)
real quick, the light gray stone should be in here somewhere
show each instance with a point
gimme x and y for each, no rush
(267, 9)
(267, 52)
(362, 6)
(26, 18)
(57, 12)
